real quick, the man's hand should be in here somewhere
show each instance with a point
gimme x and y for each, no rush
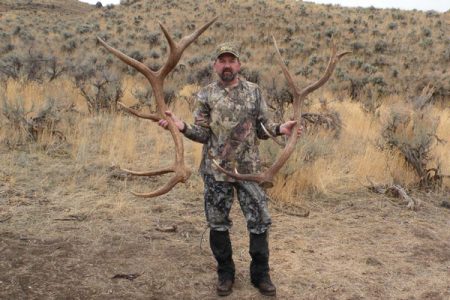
(286, 128)
(178, 123)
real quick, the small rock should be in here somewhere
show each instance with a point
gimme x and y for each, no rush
(445, 204)
(371, 261)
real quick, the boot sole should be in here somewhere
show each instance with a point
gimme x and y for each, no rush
(265, 293)
(224, 293)
(271, 294)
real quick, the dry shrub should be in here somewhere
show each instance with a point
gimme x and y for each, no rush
(411, 129)
(15, 127)
(187, 94)
(101, 89)
(30, 114)
(323, 164)
(31, 65)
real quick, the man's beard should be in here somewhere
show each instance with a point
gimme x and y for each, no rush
(228, 77)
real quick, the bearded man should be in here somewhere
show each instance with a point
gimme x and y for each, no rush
(229, 116)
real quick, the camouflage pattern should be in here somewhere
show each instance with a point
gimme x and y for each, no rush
(252, 199)
(228, 123)
(226, 48)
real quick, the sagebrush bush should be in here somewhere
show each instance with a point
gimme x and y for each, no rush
(411, 129)
(101, 88)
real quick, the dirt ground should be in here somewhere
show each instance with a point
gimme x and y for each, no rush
(66, 230)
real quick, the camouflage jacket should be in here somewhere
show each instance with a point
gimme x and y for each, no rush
(228, 123)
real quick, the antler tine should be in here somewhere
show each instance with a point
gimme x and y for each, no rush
(128, 60)
(271, 136)
(156, 80)
(187, 40)
(334, 59)
(246, 177)
(174, 53)
(163, 190)
(169, 39)
(340, 55)
(137, 113)
(266, 178)
(176, 49)
(149, 173)
(285, 70)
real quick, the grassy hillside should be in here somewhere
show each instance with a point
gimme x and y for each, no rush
(394, 51)
(61, 7)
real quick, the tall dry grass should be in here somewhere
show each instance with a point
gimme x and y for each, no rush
(348, 163)
(321, 164)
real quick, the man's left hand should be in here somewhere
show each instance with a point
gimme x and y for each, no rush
(287, 127)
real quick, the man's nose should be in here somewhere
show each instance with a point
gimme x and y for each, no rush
(226, 64)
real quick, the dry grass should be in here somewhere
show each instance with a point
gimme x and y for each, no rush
(326, 165)
(322, 163)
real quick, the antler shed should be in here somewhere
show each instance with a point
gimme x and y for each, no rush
(265, 178)
(156, 80)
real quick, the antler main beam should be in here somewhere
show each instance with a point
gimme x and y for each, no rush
(156, 80)
(265, 179)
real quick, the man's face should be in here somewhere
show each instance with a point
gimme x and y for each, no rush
(227, 66)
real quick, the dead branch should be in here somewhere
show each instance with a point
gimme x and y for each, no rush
(77, 217)
(172, 228)
(396, 191)
(130, 277)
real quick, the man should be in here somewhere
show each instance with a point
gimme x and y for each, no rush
(228, 118)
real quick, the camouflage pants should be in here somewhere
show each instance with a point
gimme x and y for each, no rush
(252, 199)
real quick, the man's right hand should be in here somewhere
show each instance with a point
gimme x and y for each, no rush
(178, 123)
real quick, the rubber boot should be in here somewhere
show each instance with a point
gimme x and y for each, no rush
(221, 247)
(259, 267)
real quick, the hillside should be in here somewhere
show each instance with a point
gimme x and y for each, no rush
(62, 7)
(394, 51)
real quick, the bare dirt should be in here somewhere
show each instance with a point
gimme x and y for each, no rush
(74, 232)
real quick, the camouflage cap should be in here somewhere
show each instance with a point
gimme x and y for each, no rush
(226, 48)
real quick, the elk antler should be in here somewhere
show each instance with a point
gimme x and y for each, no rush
(266, 178)
(156, 79)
